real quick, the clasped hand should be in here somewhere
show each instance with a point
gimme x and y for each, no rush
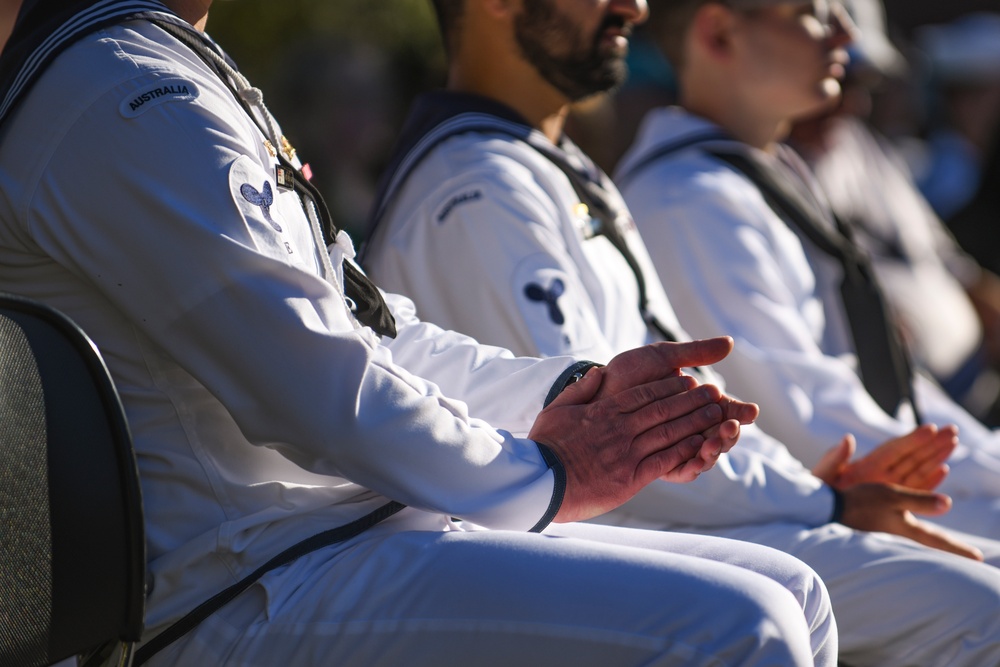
(638, 419)
(885, 488)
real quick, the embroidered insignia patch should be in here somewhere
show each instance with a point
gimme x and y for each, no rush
(458, 200)
(549, 297)
(263, 199)
(155, 94)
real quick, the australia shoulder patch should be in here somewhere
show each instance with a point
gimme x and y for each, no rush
(154, 94)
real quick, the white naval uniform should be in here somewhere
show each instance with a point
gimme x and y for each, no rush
(138, 197)
(483, 216)
(732, 265)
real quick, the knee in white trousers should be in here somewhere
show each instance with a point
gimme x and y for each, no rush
(579, 595)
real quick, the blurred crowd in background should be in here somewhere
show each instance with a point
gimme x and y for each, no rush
(347, 71)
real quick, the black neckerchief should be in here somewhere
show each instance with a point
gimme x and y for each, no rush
(440, 115)
(882, 358)
(367, 303)
(883, 362)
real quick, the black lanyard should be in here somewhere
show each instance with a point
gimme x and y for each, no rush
(883, 361)
(884, 365)
(475, 114)
(366, 300)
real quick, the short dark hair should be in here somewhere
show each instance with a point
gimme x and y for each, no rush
(668, 24)
(449, 16)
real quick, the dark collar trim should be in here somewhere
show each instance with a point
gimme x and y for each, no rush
(19, 76)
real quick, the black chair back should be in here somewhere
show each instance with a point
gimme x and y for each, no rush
(72, 545)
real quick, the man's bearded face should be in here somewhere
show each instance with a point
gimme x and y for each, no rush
(576, 63)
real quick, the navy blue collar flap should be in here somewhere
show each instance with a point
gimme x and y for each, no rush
(45, 28)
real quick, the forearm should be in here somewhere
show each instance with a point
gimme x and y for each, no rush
(743, 488)
(503, 390)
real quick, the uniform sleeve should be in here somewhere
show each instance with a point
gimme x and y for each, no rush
(746, 487)
(179, 222)
(975, 464)
(757, 482)
(498, 387)
(480, 251)
(730, 266)
(496, 226)
(959, 263)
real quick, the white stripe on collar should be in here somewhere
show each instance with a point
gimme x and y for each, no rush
(75, 26)
(464, 122)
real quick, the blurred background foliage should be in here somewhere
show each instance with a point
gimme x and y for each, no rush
(253, 31)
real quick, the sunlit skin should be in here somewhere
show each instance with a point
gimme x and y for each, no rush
(752, 71)
(488, 60)
(795, 55)
(194, 12)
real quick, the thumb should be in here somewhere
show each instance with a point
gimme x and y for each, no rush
(835, 460)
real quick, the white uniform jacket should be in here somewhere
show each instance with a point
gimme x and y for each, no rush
(193, 270)
(733, 266)
(488, 237)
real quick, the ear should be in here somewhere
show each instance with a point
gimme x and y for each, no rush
(711, 31)
(500, 9)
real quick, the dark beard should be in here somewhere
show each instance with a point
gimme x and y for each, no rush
(581, 72)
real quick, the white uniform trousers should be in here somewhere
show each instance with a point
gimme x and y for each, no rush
(897, 604)
(578, 595)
